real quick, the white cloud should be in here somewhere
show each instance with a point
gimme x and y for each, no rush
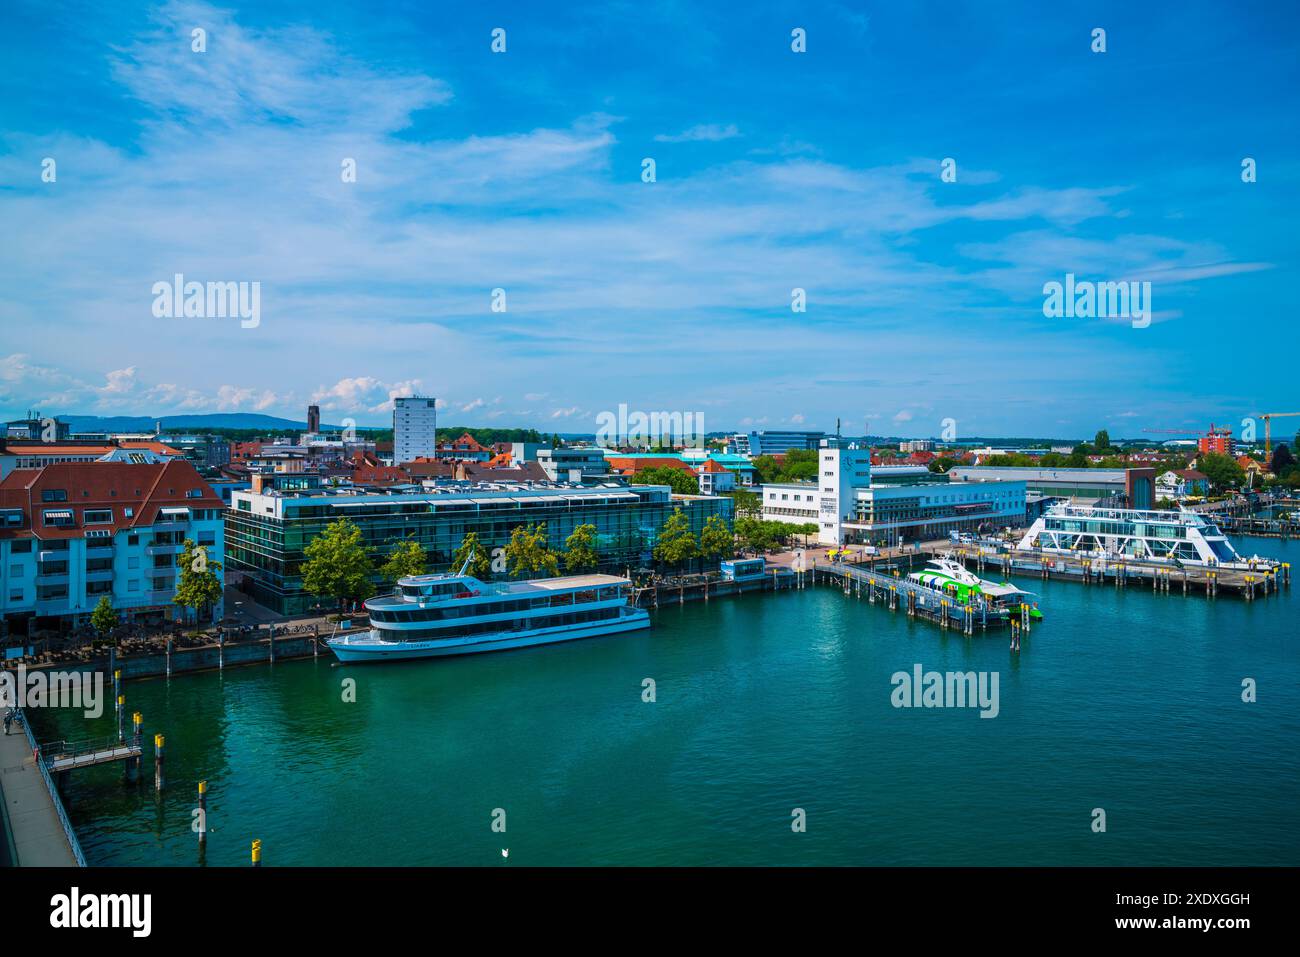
(701, 133)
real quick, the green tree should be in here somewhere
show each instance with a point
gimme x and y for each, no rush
(1222, 471)
(717, 541)
(338, 565)
(747, 502)
(676, 543)
(1102, 440)
(1281, 461)
(682, 481)
(768, 469)
(527, 554)
(481, 564)
(198, 586)
(103, 619)
(943, 463)
(405, 560)
(580, 554)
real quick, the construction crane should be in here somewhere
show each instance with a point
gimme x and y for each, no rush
(1268, 418)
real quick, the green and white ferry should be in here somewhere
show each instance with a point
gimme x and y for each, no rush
(951, 576)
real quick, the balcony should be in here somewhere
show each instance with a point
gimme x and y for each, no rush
(99, 544)
(163, 549)
(99, 574)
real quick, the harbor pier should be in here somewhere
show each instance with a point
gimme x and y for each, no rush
(1249, 582)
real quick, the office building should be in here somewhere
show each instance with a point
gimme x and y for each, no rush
(269, 526)
(1130, 488)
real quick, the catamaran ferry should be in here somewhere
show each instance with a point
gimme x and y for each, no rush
(950, 575)
(1183, 537)
(456, 614)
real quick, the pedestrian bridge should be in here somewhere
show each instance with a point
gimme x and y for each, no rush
(69, 755)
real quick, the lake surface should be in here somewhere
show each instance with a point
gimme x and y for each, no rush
(1121, 700)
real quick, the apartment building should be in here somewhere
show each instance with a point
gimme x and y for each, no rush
(74, 532)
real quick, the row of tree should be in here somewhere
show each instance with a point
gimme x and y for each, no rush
(338, 564)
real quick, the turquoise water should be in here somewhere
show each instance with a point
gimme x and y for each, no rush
(1122, 700)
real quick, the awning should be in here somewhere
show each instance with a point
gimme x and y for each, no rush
(58, 515)
(176, 510)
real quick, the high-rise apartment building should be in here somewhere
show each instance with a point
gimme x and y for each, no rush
(415, 429)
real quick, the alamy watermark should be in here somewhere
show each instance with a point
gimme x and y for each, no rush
(179, 299)
(53, 689)
(952, 689)
(1084, 299)
(649, 429)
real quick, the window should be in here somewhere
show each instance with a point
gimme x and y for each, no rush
(97, 516)
(133, 561)
(61, 518)
(20, 548)
(133, 539)
(54, 495)
(15, 571)
(15, 594)
(128, 511)
(134, 583)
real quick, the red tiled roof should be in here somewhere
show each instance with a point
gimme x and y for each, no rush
(711, 465)
(144, 488)
(634, 464)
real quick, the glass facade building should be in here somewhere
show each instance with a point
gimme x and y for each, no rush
(267, 532)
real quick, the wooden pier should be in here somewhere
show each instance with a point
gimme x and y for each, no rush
(895, 591)
(703, 587)
(1249, 583)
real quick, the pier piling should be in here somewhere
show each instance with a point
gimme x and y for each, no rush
(158, 745)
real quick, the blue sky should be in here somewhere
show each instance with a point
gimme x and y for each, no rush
(775, 170)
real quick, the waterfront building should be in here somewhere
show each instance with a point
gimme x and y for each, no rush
(269, 526)
(74, 532)
(1134, 488)
(415, 428)
(854, 502)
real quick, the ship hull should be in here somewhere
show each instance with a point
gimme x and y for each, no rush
(371, 650)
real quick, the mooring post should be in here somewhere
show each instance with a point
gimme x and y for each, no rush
(221, 651)
(257, 853)
(271, 638)
(133, 764)
(203, 813)
(158, 742)
(169, 656)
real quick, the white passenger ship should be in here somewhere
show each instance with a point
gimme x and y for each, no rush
(456, 614)
(1183, 537)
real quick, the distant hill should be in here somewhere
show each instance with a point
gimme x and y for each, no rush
(172, 423)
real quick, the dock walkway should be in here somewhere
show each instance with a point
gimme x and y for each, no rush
(37, 830)
(1249, 582)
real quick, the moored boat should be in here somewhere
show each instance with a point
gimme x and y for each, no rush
(434, 616)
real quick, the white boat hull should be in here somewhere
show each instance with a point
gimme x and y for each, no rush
(351, 649)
